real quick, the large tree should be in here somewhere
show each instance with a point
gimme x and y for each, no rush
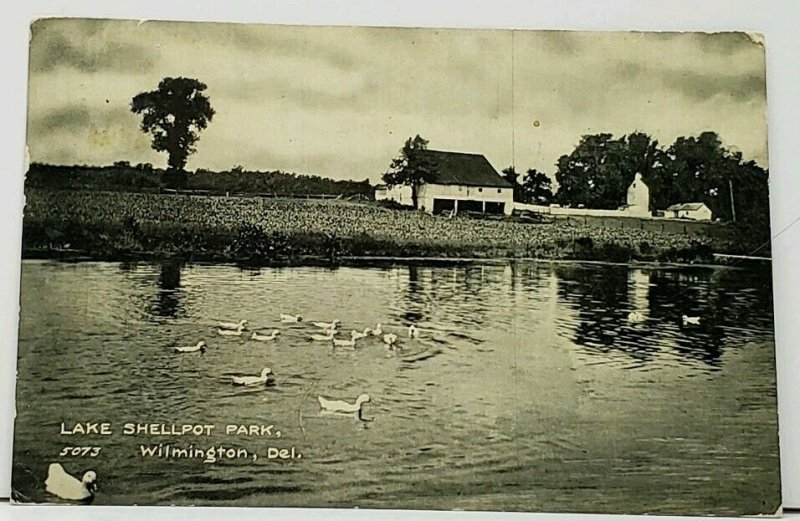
(600, 169)
(174, 114)
(412, 167)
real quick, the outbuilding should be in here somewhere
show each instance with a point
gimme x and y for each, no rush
(695, 211)
(464, 183)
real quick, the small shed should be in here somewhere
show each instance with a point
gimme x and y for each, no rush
(695, 211)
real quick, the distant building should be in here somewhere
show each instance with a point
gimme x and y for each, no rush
(696, 211)
(465, 182)
(637, 204)
(638, 198)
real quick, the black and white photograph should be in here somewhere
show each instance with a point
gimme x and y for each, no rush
(396, 268)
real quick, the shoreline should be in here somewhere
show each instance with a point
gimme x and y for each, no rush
(76, 256)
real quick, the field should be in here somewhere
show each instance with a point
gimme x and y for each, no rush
(116, 224)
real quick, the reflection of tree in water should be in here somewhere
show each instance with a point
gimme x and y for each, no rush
(734, 306)
(600, 298)
(167, 302)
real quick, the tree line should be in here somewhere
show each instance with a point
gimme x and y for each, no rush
(598, 172)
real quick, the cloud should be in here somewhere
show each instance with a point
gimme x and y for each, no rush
(84, 45)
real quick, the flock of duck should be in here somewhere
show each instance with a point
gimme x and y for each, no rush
(65, 486)
(326, 332)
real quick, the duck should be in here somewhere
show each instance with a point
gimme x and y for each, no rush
(323, 338)
(327, 325)
(337, 342)
(233, 325)
(61, 484)
(636, 316)
(266, 377)
(355, 335)
(341, 406)
(291, 318)
(378, 331)
(389, 339)
(271, 336)
(228, 332)
(200, 346)
(413, 331)
(695, 321)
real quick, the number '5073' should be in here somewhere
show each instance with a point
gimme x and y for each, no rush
(80, 451)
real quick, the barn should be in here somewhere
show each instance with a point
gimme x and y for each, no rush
(464, 183)
(696, 211)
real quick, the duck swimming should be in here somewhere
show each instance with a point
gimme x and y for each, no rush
(355, 335)
(267, 376)
(232, 325)
(263, 338)
(378, 331)
(327, 325)
(323, 338)
(291, 318)
(342, 407)
(389, 339)
(61, 484)
(228, 332)
(337, 342)
(413, 331)
(200, 346)
(695, 321)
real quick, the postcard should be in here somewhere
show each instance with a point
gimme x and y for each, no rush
(307, 266)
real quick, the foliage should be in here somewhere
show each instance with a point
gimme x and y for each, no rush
(537, 188)
(174, 114)
(412, 167)
(144, 178)
(693, 169)
(598, 172)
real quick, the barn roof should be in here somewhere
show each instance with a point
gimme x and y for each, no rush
(459, 168)
(685, 206)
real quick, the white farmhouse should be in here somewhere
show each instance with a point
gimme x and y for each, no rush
(696, 211)
(464, 182)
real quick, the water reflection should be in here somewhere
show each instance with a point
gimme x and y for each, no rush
(167, 302)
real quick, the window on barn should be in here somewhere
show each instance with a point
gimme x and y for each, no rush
(499, 191)
(480, 189)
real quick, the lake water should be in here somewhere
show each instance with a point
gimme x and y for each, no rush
(528, 389)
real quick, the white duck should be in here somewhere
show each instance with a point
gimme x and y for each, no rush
(337, 342)
(233, 325)
(342, 407)
(228, 332)
(264, 338)
(356, 335)
(413, 331)
(61, 484)
(327, 325)
(200, 346)
(378, 331)
(636, 317)
(390, 339)
(266, 376)
(291, 318)
(323, 338)
(695, 321)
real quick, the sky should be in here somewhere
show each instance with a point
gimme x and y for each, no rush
(340, 101)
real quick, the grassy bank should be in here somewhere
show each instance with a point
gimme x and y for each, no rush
(111, 225)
